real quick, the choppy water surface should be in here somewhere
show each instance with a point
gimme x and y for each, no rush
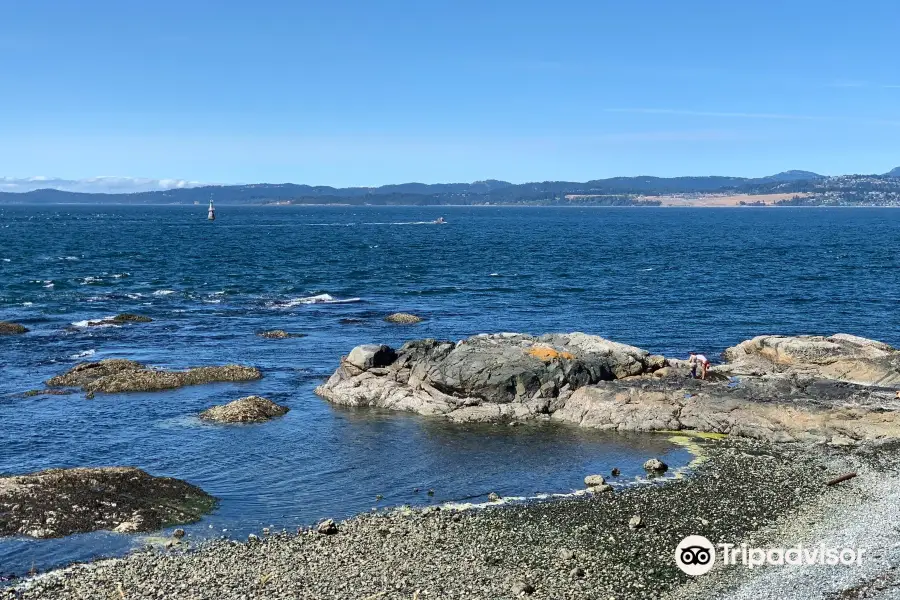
(669, 280)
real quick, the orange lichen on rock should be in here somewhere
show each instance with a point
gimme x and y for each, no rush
(546, 353)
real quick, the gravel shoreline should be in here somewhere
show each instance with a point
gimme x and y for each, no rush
(580, 547)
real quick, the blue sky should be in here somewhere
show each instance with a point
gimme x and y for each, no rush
(367, 93)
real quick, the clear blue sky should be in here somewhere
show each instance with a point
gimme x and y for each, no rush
(373, 92)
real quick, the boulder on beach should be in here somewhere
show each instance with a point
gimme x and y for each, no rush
(60, 502)
(403, 319)
(7, 328)
(279, 334)
(119, 375)
(252, 409)
(482, 378)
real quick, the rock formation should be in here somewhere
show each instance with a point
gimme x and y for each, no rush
(60, 502)
(252, 409)
(403, 319)
(7, 328)
(279, 334)
(838, 389)
(119, 375)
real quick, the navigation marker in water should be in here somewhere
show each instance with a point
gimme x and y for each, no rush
(212, 211)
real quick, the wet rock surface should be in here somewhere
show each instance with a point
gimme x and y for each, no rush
(7, 328)
(252, 409)
(120, 375)
(60, 502)
(570, 548)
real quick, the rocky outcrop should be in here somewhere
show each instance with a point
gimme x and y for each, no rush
(7, 328)
(60, 502)
(120, 319)
(839, 389)
(482, 378)
(779, 409)
(252, 409)
(403, 319)
(841, 357)
(119, 375)
(279, 334)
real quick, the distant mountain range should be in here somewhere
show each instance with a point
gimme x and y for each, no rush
(613, 191)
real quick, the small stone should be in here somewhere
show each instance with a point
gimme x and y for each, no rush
(654, 465)
(522, 588)
(378, 497)
(565, 554)
(252, 538)
(431, 492)
(327, 527)
(616, 472)
(635, 522)
(594, 480)
(597, 489)
(493, 497)
(266, 531)
(576, 573)
(178, 534)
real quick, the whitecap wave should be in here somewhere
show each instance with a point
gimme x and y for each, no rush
(120, 275)
(90, 279)
(84, 354)
(7, 260)
(28, 304)
(317, 299)
(134, 296)
(163, 292)
(69, 258)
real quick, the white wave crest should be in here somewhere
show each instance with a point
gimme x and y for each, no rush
(317, 299)
(84, 354)
(163, 292)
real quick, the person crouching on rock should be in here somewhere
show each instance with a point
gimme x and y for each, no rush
(698, 360)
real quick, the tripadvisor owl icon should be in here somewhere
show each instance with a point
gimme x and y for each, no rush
(695, 555)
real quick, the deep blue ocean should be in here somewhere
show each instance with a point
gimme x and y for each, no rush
(666, 279)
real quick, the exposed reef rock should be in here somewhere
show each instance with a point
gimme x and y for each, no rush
(279, 334)
(252, 409)
(403, 319)
(7, 328)
(119, 375)
(805, 388)
(120, 319)
(60, 502)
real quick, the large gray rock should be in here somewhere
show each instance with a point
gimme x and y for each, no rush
(841, 357)
(482, 378)
(371, 356)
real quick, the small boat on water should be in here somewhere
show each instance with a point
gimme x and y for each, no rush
(211, 215)
(440, 221)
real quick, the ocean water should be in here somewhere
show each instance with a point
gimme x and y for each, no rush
(668, 280)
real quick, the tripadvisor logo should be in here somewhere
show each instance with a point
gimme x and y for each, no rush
(696, 555)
